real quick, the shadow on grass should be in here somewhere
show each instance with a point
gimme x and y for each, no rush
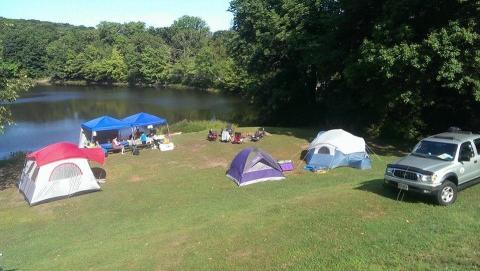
(10, 170)
(377, 187)
(1, 269)
(303, 154)
(385, 149)
(306, 133)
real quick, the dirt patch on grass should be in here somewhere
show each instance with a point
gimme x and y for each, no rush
(172, 252)
(212, 163)
(197, 147)
(371, 212)
(136, 179)
(240, 254)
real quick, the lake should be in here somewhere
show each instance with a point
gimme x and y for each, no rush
(48, 114)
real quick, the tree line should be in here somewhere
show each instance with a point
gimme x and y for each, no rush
(184, 53)
(387, 68)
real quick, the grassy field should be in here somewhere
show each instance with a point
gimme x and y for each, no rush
(178, 211)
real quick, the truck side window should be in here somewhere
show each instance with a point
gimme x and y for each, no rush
(466, 149)
(477, 145)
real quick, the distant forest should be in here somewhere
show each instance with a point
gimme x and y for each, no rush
(184, 53)
(387, 68)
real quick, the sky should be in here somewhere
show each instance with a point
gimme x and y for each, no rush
(156, 13)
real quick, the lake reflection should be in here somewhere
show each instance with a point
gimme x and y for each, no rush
(50, 114)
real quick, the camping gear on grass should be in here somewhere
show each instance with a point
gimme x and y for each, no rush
(286, 165)
(259, 134)
(167, 147)
(59, 170)
(337, 148)
(252, 165)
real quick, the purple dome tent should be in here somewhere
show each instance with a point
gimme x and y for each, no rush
(252, 165)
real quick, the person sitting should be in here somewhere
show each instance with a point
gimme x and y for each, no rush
(143, 138)
(261, 132)
(117, 145)
(212, 136)
(237, 139)
(257, 136)
(137, 134)
(225, 136)
(229, 128)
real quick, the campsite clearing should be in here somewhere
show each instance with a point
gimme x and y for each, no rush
(178, 211)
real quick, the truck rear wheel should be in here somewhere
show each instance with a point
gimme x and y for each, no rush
(447, 194)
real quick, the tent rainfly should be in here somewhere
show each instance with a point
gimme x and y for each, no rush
(337, 148)
(252, 165)
(59, 170)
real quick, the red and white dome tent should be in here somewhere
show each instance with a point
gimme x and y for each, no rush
(57, 171)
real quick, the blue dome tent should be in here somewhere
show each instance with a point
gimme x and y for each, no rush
(337, 148)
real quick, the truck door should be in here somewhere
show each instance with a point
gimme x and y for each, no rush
(476, 146)
(469, 169)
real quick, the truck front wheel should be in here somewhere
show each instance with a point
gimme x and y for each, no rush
(447, 194)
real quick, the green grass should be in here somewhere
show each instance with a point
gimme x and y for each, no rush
(178, 211)
(187, 126)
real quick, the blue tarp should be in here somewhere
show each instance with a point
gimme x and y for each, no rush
(144, 119)
(104, 123)
(316, 161)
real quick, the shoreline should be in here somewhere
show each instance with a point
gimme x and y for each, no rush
(84, 83)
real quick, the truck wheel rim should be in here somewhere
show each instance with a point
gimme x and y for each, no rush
(447, 194)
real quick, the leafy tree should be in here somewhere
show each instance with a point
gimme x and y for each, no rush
(182, 71)
(65, 52)
(60, 51)
(113, 69)
(12, 84)
(205, 71)
(187, 35)
(156, 65)
(396, 67)
(426, 56)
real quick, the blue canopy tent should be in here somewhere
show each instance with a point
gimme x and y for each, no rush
(144, 120)
(106, 124)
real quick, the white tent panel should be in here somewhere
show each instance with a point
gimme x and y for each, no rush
(339, 140)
